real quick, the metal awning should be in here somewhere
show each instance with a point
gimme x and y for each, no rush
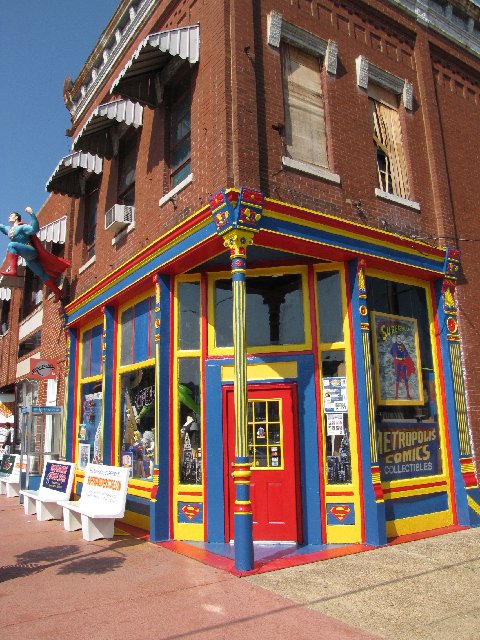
(66, 177)
(54, 231)
(95, 136)
(5, 294)
(140, 79)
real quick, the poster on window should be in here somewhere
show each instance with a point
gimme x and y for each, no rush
(398, 369)
(408, 450)
(83, 455)
(335, 395)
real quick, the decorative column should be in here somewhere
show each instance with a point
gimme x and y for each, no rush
(374, 513)
(71, 364)
(104, 438)
(237, 219)
(467, 493)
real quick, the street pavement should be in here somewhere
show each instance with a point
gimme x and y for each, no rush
(54, 584)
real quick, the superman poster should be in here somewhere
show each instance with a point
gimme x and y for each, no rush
(398, 369)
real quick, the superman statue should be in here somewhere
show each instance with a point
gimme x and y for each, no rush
(25, 243)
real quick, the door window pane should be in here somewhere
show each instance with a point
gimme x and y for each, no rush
(264, 434)
(190, 437)
(189, 315)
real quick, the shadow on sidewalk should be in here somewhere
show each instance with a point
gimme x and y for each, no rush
(67, 558)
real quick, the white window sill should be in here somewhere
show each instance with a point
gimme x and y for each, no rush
(397, 199)
(87, 264)
(311, 169)
(121, 234)
(173, 192)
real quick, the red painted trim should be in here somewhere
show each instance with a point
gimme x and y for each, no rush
(114, 389)
(228, 500)
(171, 408)
(203, 389)
(411, 537)
(317, 373)
(415, 487)
(75, 394)
(355, 395)
(331, 494)
(451, 488)
(190, 493)
(352, 228)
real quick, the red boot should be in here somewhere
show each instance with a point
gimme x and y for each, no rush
(12, 265)
(53, 287)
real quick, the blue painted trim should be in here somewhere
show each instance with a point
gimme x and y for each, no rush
(416, 506)
(160, 508)
(243, 525)
(308, 444)
(184, 245)
(70, 436)
(374, 512)
(463, 511)
(351, 244)
(108, 386)
(135, 504)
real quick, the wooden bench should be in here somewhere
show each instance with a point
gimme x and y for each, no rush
(102, 501)
(10, 475)
(55, 486)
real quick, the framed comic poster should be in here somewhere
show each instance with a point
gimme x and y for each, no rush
(83, 455)
(396, 353)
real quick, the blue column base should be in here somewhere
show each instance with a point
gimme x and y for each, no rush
(243, 526)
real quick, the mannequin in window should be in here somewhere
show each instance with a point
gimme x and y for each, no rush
(25, 243)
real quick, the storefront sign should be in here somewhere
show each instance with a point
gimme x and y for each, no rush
(407, 450)
(335, 395)
(56, 476)
(43, 369)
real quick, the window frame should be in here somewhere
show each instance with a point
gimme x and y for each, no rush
(183, 92)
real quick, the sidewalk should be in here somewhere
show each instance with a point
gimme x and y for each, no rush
(54, 584)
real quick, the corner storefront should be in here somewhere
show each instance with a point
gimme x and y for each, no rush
(356, 420)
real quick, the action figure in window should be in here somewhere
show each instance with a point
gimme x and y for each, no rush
(25, 243)
(402, 363)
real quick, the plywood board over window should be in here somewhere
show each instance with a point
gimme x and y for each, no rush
(304, 108)
(387, 136)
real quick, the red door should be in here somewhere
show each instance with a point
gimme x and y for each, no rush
(271, 434)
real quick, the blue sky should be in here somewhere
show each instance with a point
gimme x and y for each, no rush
(41, 42)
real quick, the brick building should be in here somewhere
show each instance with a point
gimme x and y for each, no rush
(325, 143)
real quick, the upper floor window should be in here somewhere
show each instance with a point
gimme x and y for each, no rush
(4, 316)
(388, 142)
(32, 294)
(305, 137)
(90, 217)
(127, 161)
(180, 138)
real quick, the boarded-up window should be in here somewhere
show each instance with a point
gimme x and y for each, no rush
(304, 110)
(387, 137)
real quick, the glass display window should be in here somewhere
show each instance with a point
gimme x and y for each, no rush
(276, 312)
(136, 388)
(407, 413)
(89, 416)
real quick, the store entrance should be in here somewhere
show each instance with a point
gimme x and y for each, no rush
(272, 447)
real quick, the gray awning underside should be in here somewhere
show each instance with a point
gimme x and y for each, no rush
(96, 136)
(140, 75)
(68, 175)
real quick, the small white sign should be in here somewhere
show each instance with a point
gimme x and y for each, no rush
(335, 424)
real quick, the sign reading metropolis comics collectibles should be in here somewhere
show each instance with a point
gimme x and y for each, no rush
(56, 476)
(407, 450)
(335, 395)
(398, 369)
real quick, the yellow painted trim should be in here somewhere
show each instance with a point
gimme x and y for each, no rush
(186, 531)
(136, 520)
(393, 244)
(445, 475)
(473, 505)
(416, 524)
(340, 533)
(226, 275)
(413, 492)
(265, 371)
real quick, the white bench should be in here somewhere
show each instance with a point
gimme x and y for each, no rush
(10, 476)
(55, 486)
(102, 501)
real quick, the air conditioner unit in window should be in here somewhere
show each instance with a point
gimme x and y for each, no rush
(119, 217)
